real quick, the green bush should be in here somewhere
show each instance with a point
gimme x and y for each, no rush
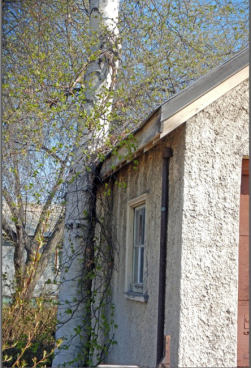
(28, 333)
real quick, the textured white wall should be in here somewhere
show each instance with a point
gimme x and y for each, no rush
(216, 141)
(137, 322)
(202, 249)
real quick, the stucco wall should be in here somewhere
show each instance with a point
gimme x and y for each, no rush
(216, 140)
(203, 236)
(137, 322)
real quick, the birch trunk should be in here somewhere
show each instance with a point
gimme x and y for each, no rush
(74, 311)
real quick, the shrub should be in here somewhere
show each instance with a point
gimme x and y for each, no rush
(28, 333)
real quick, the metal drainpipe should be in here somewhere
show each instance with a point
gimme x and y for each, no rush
(162, 259)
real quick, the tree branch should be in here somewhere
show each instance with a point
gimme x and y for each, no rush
(8, 230)
(9, 202)
(49, 199)
(20, 227)
(52, 154)
(17, 186)
(48, 250)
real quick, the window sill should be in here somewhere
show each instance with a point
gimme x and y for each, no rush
(143, 298)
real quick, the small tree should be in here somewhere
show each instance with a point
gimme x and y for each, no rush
(28, 327)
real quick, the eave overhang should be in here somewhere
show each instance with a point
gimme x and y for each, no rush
(181, 107)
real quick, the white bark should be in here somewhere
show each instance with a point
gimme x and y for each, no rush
(74, 291)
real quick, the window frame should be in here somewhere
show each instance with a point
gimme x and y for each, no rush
(133, 291)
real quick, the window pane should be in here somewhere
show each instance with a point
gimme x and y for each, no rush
(141, 265)
(138, 248)
(139, 227)
(136, 228)
(135, 264)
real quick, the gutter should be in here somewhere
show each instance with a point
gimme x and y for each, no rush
(161, 356)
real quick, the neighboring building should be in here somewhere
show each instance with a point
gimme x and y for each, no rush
(204, 311)
(51, 272)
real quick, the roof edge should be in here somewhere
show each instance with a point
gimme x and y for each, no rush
(204, 84)
(152, 128)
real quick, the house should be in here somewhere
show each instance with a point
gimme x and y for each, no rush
(180, 288)
(32, 213)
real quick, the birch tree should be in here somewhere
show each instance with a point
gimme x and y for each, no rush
(76, 283)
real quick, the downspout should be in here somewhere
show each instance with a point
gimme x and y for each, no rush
(162, 259)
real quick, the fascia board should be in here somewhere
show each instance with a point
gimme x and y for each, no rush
(204, 84)
(145, 138)
(202, 102)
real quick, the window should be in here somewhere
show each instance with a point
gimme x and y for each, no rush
(138, 248)
(135, 249)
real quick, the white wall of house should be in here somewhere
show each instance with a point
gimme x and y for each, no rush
(216, 140)
(137, 321)
(203, 236)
